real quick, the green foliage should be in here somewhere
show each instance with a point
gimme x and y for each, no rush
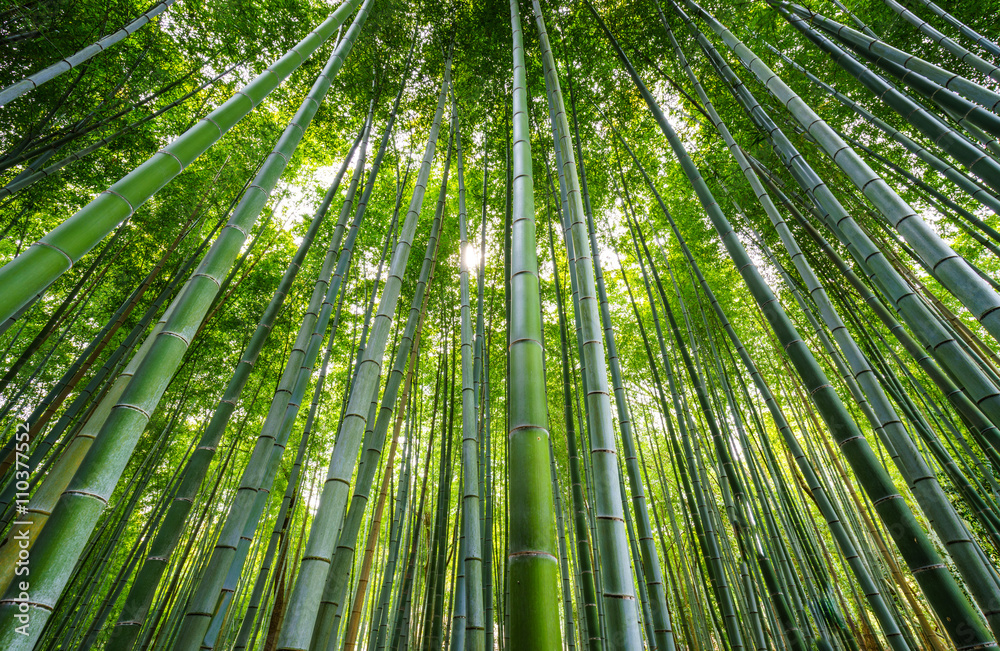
(193, 42)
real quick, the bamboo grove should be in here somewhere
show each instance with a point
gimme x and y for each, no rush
(575, 324)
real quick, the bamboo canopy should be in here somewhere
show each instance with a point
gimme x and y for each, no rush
(335, 325)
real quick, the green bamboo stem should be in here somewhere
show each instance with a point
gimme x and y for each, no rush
(708, 537)
(379, 623)
(303, 605)
(883, 51)
(944, 207)
(399, 619)
(488, 495)
(335, 588)
(103, 384)
(786, 579)
(430, 634)
(567, 592)
(413, 353)
(637, 570)
(653, 574)
(952, 269)
(317, 393)
(456, 641)
(968, 185)
(532, 565)
(36, 268)
(44, 412)
(621, 609)
(968, 32)
(984, 512)
(66, 64)
(583, 422)
(55, 320)
(928, 30)
(287, 512)
(374, 444)
(591, 617)
(436, 545)
(48, 494)
(472, 562)
(136, 554)
(961, 546)
(266, 453)
(279, 531)
(435, 633)
(674, 582)
(922, 481)
(480, 375)
(502, 570)
(789, 625)
(979, 123)
(939, 586)
(665, 412)
(943, 346)
(972, 413)
(951, 141)
(578, 385)
(26, 180)
(143, 588)
(46, 146)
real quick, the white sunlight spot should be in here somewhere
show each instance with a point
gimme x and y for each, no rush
(470, 257)
(299, 201)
